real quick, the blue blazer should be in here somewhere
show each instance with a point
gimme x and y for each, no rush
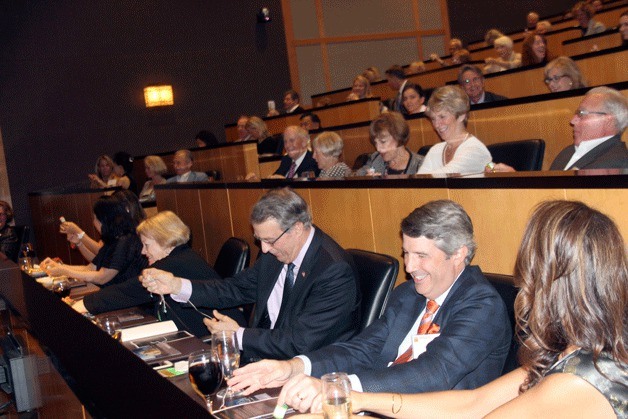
(194, 177)
(322, 308)
(470, 351)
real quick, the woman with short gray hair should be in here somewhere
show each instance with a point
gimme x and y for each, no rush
(506, 59)
(327, 148)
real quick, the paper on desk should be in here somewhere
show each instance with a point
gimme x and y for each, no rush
(148, 330)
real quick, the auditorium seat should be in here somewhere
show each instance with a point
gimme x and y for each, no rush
(378, 273)
(522, 155)
(506, 289)
(423, 150)
(234, 257)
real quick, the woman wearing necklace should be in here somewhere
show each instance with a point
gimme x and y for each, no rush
(460, 152)
(389, 133)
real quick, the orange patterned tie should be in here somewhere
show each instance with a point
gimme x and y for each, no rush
(424, 326)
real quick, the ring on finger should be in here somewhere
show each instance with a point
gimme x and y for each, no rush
(300, 397)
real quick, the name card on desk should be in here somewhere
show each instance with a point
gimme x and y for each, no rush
(148, 330)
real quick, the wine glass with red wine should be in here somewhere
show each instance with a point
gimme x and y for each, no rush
(205, 374)
(61, 288)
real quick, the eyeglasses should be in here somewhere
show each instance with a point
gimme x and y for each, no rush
(272, 242)
(555, 79)
(580, 113)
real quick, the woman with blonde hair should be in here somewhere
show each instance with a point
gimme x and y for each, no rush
(104, 175)
(165, 241)
(155, 168)
(327, 148)
(258, 131)
(562, 74)
(361, 88)
(507, 58)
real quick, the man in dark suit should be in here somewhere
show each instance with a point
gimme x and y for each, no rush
(290, 104)
(396, 79)
(448, 328)
(471, 80)
(598, 124)
(182, 164)
(304, 286)
(298, 158)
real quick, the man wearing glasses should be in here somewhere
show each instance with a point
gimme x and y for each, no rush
(598, 124)
(471, 80)
(304, 286)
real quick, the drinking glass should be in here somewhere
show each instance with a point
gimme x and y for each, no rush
(205, 374)
(336, 395)
(225, 344)
(111, 325)
(61, 287)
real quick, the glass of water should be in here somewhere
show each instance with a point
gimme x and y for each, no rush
(336, 395)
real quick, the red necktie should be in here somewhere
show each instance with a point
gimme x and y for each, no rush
(426, 322)
(293, 168)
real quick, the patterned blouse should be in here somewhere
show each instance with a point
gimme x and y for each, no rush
(339, 169)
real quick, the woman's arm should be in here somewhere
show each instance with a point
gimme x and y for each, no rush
(459, 403)
(87, 273)
(86, 245)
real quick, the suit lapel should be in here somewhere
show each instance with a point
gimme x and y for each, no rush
(594, 153)
(412, 305)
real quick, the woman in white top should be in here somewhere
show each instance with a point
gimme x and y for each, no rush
(155, 168)
(460, 152)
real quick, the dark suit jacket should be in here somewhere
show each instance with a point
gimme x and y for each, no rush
(182, 262)
(322, 308)
(470, 351)
(611, 154)
(194, 177)
(308, 164)
(492, 97)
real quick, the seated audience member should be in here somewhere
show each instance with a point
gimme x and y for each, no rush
(460, 151)
(89, 247)
(413, 99)
(471, 79)
(583, 13)
(506, 59)
(415, 67)
(571, 316)
(389, 133)
(598, 125)
(9, 241)
(372, 74)
(309, 121)
(360, 89)
(597, 5)
(258, 131)
(205, 138)
(455, 44)
(543, 27)
(327, 150)
(182, 164)
(120, 257)
(461, 56)
(623, 28)
(534, 50)
(105, 176)
(448, 301)
(165, 243)
(532, 19)
(396, 81)
(290, 104)
(243, 133)
(124, 170)
(155, 168)
(562, 74)
(298, 158)
(304, 285)
(491, 36)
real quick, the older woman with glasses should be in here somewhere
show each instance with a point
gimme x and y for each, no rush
(165, 243)
(562, 74)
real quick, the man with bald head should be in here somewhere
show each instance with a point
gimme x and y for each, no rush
(298, 158)
(598, 124)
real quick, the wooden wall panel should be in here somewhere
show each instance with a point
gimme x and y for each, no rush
(612, 202)
(189, 211)
(596, 43)
(214, 211)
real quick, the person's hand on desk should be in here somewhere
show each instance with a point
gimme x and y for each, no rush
(498, 167)
(221, 322)
(251, 177)
(302, 393)
(264, 374)
(52, 267)
(160, 282)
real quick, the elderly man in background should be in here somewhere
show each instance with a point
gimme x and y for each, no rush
(531, 21)
(455, 45)
(298, 158)
(598, 125)
(447, 328)
(304, 286)
(243, 133)
(182, 164)
(471, 80)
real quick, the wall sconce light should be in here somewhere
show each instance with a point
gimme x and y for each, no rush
(158, 96)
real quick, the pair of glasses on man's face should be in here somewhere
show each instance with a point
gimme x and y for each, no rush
(581, 113)
(272, 242)
(555, 79)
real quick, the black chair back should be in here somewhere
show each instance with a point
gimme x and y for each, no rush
(361, 161)
(521, 155)
(378, 274)
(233, 258)
(423, 150)
(506, 289)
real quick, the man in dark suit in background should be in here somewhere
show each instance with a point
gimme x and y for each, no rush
(471, 80)
(396, 78)
(446, 329)
(290, 104)
(304, 286)
(298, 158)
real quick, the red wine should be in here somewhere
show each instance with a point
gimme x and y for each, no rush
(206, 377)
(62, 292)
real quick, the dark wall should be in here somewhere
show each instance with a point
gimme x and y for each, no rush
(72, 75)
(470, 19)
